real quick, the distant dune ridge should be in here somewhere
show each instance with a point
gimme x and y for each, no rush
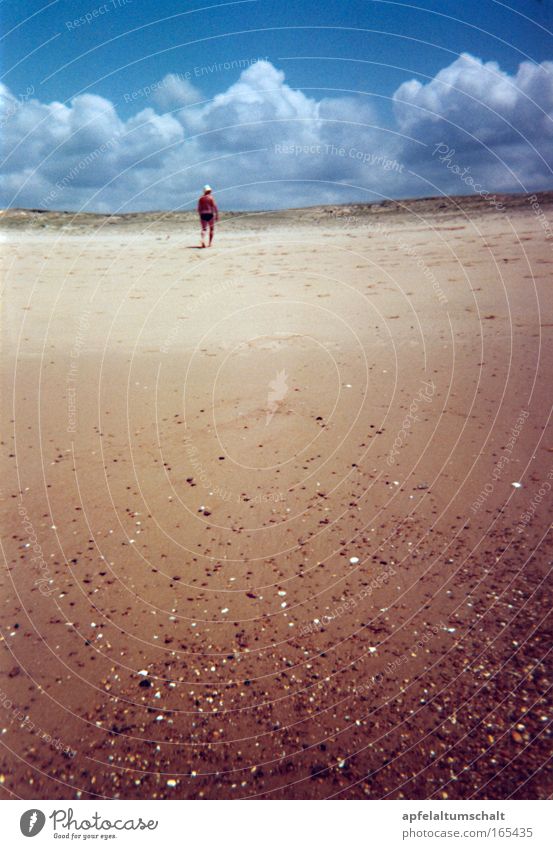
(469, 205)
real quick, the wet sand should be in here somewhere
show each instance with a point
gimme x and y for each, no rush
(261, 534)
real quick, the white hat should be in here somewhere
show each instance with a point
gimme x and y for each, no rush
(207, 188)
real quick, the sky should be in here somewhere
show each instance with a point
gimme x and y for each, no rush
(132, 105)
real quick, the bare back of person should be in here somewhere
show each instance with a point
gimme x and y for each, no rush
(209, 214)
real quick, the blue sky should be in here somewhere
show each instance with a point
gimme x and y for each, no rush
(132, 104)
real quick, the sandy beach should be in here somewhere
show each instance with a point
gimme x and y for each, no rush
(262, 533)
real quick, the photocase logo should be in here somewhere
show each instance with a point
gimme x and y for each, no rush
(32, 822)
(278, 389)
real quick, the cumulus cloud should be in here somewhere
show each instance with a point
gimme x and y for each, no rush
(251, 109)
(263, 144)
(479, 99)
(174, 91)
(501, 125)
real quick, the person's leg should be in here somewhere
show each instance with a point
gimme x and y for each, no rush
(211, 231)
(204, 232)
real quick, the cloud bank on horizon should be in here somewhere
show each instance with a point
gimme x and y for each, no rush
(265, 145)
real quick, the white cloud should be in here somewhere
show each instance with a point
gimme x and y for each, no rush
(276, 145)
(500, 124)
(259, 106)
(174, 91)
(479, 97)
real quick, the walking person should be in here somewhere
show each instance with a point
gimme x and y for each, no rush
(209, 214)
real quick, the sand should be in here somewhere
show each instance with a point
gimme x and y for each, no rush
(261, 537)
